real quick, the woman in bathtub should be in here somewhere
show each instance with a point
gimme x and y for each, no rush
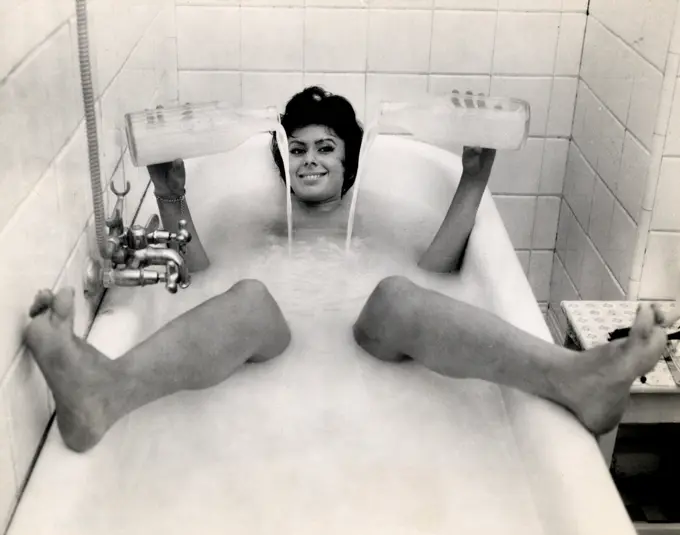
(399, 320)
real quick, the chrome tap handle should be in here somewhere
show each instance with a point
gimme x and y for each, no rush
(171, 277)
(183, 236)
(153, 223)
(115, 222)
(140, 237)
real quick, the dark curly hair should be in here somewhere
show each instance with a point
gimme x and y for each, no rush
(316, 106)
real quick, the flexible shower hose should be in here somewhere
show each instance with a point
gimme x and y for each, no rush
(91, 126)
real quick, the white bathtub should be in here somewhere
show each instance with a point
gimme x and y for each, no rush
(329, 440)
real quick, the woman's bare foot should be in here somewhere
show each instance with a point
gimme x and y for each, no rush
(598, 387)
(82, 379)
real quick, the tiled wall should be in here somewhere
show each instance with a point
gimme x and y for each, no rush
(259, 52)
(612, 165)
(45, 207)
(659, 274)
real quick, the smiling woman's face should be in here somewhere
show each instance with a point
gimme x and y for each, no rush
(316, 157)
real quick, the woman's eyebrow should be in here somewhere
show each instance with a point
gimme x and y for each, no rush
(326, 139)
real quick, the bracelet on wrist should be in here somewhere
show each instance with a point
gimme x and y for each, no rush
(180, 198)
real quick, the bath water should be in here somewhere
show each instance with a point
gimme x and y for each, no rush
(323, 438)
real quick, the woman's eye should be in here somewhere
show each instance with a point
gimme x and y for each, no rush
(326, 149)
(296, 151)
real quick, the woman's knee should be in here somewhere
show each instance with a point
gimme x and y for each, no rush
(395, 289)
(253, 288)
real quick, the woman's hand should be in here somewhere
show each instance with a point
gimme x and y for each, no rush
(168, 178)
(478, 161)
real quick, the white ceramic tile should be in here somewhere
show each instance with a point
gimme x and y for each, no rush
(565, 221)
(352, 86)
(661, 272)
(518, 171)
(337, 3)
(72, 276)
(584, 100)
(620, 244)
(609, 147)
(443, 84)
(529, 5)
(138, 177)
(335, 39)
(517, 214)
(273, 3)
(462, 42)
(675, 35)
(575, 5)
(26, 393)
(409, 53)
(396, 87)
(24, 26)
(72, 173)
(208, 2)
(644, 101)
(666, 214)
(413, 4)
(524, 257)
(561, 289)
(601, 216)
(578, 185)
(146, 54)
(534, 90)
(8, 5)
(208, 37)
(540, 269)
(270, 89)
(202, 86)
(621, 17)
(570, 44)
(554, 166)
(32, 124)
(611, 290)
(606, 68)
(111, 130)
(466, 4)
(115, 29)
(672, 145)
(132, 90)
(654, 38)
(545, 226)
(38, 255)
(8, 489)
(272, 38)
(630, 187)
(526, 43)
(575, 250)
(562, 104)
(593, 272)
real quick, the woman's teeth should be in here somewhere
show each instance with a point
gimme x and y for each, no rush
(312, 178)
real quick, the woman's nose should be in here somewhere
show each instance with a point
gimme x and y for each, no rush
(310, 158)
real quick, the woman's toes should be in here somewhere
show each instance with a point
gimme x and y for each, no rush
(643, 324)
(43, 300)
(670, 318)
(63, 304)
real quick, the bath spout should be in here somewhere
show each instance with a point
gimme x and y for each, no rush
(152, 256)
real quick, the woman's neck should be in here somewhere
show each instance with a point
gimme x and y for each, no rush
(319, 208)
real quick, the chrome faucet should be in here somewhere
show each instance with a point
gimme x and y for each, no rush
(133, 250)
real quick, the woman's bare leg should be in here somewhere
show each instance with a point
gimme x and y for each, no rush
(401, 320)
(199, 349)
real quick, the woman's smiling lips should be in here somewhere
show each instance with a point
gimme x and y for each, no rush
(312, 177)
